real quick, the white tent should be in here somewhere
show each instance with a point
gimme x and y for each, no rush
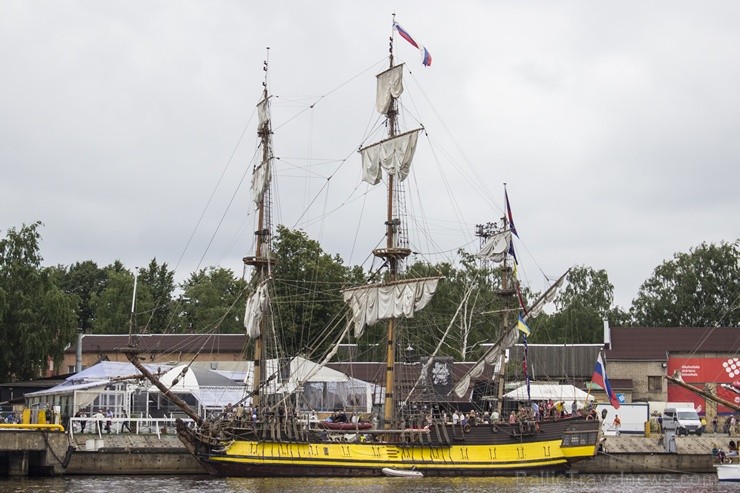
(547, 391)
(183, 378)
(106, 384)
(211, 389)
(316, 387)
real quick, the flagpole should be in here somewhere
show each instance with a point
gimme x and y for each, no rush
(393, 35)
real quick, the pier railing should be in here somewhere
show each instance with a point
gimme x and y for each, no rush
(106, 426)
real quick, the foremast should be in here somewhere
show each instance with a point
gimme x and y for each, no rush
(496, 247)
(262, 260)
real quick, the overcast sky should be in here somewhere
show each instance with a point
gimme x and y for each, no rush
(615, 125)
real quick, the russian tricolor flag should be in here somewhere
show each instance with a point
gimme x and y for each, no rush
(599, 378)
(426, 57)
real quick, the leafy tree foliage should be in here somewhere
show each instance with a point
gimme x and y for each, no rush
(471, 289)
(696, 289)
(112, 305)
(212, 299)
(37, 319)
(83, 279)
(307, 288)
(158, 283)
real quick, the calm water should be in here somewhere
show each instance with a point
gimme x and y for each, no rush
(695, 483)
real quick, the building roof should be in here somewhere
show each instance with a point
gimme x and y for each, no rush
(654, 343)
(164, 343)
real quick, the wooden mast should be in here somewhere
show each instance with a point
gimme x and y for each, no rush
(393, 255)
(505, 294)
(261, 260)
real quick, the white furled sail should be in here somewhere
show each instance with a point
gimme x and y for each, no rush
(400, 299)
(546, 297)
(390, 86)
(263, 172)
(490, 358)
(507, 340)
(496, 247)
(257, 306)
(393, 155)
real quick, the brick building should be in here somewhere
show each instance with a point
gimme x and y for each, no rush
(638, 358)
(160, 348)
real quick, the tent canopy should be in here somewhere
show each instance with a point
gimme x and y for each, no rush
(97, 377)
(189, 378)
(547, 391)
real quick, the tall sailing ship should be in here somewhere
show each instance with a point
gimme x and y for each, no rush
(272, 440)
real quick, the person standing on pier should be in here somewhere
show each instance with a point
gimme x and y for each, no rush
(125, 424)
(98, 417)
(617, 424)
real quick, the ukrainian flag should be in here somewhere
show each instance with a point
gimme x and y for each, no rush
(522, 326)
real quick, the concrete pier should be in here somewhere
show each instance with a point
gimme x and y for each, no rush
(42, 453)
(131, 454)
(32, 452)
(629, 454)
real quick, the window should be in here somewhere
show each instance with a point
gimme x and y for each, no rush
(655, 384)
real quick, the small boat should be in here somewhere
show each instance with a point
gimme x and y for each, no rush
(362, 425)
(728, 472)
(402, 473)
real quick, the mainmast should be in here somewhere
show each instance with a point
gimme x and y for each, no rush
(393, 255)
(395, 298)
(262, 260)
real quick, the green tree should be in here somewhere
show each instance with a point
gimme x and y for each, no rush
(476, 290)
(212, 299)
(159, 283)
(696, 289)
(37, 319)
(307, 283)
(581, 307)
(83, 279)
(112, 305)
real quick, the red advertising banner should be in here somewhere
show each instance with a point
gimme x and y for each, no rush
(699, 371)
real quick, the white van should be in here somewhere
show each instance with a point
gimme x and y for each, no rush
(684, 420)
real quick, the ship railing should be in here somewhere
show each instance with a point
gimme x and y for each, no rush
(136, 426)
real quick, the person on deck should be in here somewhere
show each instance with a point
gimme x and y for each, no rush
(536, 411)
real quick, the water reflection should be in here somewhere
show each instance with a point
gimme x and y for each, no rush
(645, 483)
